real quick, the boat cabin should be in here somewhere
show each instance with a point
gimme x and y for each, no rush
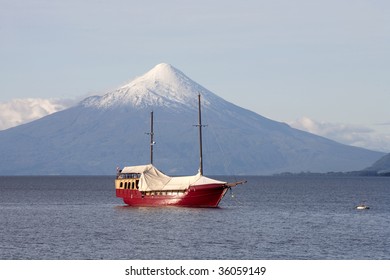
(127, 181)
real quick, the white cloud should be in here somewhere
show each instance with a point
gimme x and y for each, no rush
(20, 111)
(355, 135)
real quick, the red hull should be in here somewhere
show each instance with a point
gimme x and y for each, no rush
(198, 196)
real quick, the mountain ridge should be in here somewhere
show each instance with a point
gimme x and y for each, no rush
(381, 166)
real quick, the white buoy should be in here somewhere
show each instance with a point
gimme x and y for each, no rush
(362, 207)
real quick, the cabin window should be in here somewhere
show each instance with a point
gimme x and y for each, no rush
(120, 185)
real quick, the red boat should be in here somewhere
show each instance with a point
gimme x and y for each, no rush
(145, 185)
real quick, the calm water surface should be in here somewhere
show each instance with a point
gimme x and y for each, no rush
(267, 218)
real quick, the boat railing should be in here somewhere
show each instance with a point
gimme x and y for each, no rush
(128, 175)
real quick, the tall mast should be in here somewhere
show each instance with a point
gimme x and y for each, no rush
(151, 133)
(200, 136)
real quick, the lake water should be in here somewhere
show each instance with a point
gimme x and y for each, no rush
(267, 218)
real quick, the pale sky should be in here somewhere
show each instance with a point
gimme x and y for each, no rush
(321, 66)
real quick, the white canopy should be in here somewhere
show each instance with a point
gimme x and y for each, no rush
(152, 179)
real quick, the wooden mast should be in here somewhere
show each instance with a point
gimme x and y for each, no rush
(151, 133)
(200, 136)
(151, 137)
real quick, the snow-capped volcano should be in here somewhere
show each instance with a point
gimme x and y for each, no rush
(103, 132)
(164, 85)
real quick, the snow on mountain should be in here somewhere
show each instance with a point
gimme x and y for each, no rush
(103, 132)
(163, 85)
